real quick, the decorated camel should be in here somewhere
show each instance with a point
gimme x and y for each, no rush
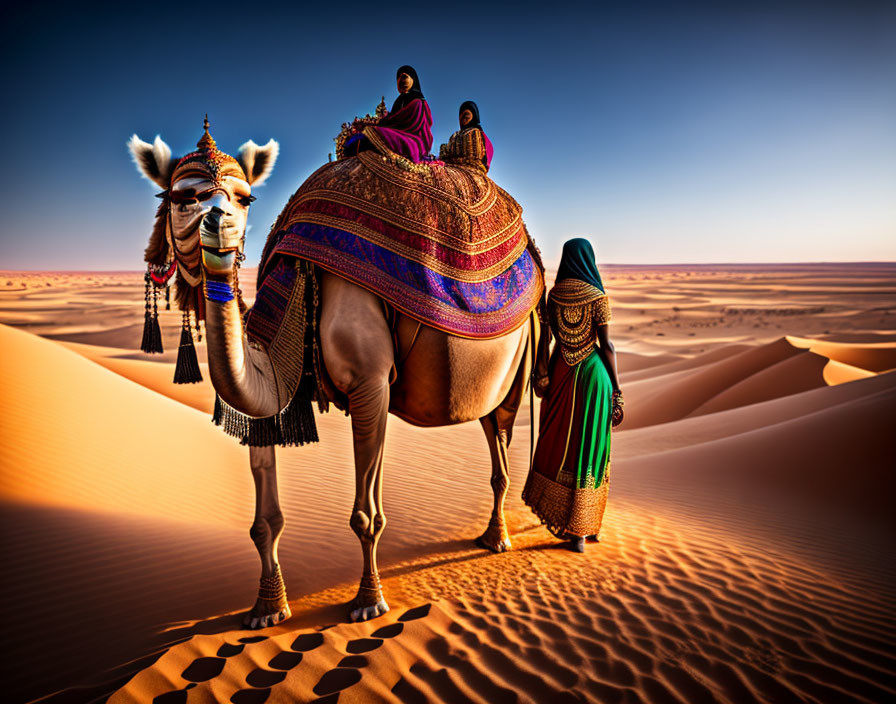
(384, 287)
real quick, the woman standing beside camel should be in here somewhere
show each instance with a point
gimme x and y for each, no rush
(567, 485)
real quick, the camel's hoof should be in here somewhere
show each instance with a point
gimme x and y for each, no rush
(365, 613)
(495, 539)
(256, 618)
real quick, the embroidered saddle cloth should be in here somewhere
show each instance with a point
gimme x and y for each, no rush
(441, 243)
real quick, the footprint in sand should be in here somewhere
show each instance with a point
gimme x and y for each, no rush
(178, 696)
(363, 645)
(251, 696)
(329, 699)
(415, 613)
(261, 679)
(390, 631)
(281, 663)
(337, 680)
(307, 641)
(201, 670)
(285, 660)
(347, 673)
(253, 639)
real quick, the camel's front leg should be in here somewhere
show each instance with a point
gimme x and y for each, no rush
(271, 607)
(358, 353)
(498, 426)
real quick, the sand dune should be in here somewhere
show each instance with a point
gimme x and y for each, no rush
(654, 401)
(68, 418)
(790, 376)
(747, 554)
(155, 372)
(875, 357)
(632, 362)
(742, 378)
(687, 364)
(840, 456)
(695, 430)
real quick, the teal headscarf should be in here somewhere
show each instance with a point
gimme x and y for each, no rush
(577, 262)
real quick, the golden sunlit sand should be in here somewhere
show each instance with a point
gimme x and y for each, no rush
(747, 555)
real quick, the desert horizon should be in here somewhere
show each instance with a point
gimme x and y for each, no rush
(747, 552)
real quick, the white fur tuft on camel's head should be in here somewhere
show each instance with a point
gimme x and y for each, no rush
(154, 160)
(258, 161)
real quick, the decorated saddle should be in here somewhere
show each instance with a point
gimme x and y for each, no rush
(442, 243)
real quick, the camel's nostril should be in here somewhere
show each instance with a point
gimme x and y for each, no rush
(216, 211)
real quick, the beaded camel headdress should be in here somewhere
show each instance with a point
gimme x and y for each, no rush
(166, 266)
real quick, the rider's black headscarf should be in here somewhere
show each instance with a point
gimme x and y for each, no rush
(471, 106)
(414, 93)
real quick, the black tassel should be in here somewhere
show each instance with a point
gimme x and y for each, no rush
(186, 371)
(294, 425)
(167, 298)
(297, 424)
(152, 333)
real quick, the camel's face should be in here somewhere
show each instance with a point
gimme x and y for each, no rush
(206, 199)
(216, 208)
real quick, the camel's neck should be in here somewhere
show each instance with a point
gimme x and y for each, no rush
(241, 374)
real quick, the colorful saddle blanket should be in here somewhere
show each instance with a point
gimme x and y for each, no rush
(443, 244)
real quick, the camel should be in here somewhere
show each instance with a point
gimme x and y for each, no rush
(423, 375)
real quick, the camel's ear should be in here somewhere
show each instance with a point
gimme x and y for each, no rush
(153, 160)
(258, 162)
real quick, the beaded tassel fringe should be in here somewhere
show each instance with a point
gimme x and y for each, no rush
(187, 371)
(294, 425)
(152, 333)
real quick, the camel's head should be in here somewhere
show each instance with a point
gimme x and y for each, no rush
(205, 204)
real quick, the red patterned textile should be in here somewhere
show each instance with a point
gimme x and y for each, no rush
(444, 244)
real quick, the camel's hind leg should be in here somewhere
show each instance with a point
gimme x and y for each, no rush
(498, 426)
(271, 606)
(358, 353)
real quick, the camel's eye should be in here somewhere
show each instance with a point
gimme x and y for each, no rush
(245, 201)
(184, 197)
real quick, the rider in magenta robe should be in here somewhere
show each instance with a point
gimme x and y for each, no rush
(406, 130)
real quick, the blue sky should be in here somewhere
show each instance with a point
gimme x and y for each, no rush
(666, 133)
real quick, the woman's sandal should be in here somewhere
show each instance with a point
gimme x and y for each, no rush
(577, 543)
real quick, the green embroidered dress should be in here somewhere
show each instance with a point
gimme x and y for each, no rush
(567, 486)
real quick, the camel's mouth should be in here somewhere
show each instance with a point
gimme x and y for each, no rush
(219, 260)
(218, 231)
(219, 251)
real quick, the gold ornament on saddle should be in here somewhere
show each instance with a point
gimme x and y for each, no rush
(356, 126)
